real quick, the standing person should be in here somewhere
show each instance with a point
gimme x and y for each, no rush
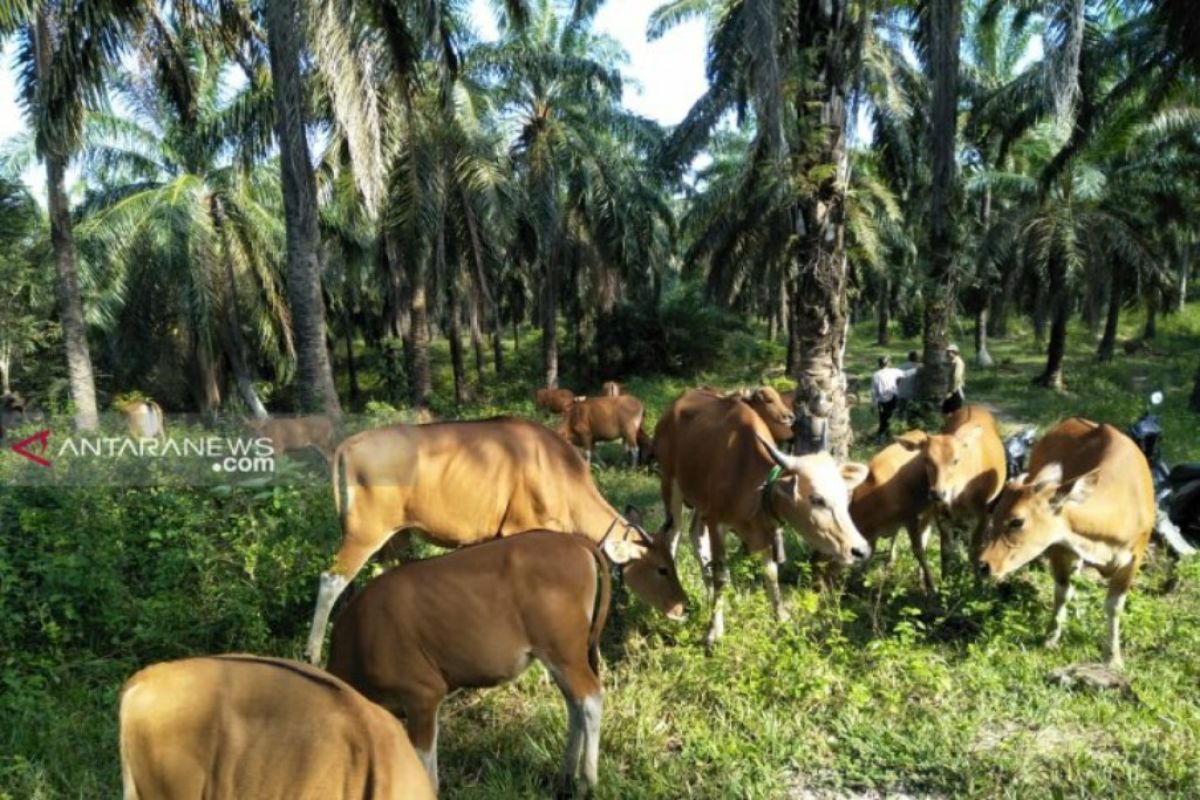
(906, 391)
(958, 372)
(884, 392)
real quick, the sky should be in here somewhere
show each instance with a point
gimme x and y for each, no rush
(663, 78)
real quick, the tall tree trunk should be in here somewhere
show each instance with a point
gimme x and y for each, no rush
(62, 239)
(1041, 309)
(1001, 303)
(1153, 297)
(982, 357)
(883, 312)
(819, 302)
(232, 340)
(1108, 342)
(1052, 376)
(315, 388)
(497, 351)
(945, 27)
(550, 324)
(419, 378)
(793, 348)
(457, 362)
(476, 335)
(1185, 269)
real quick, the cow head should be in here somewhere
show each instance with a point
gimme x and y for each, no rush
(771, 408)
(948, 465)
(646, 565)
(1028, 518)
(813, 496)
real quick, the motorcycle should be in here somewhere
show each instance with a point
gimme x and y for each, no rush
(1176, 490)
(1016, 450)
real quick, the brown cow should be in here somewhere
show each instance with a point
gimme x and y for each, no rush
(769, 404)
(965, 467)
(459, 483)
(603, 419)
(556, 401)
(1090, 502)
(478, 617)
(243, 726)
(895, 495)
(288, 434)
(716, 455)
(144, 418)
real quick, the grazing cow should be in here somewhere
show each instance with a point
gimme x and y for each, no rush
(1090, 502)
(239, 726)
(459, 483)
(965, 467)
(556, 401)
(717, 456)
(612, 389)
(603, 419)
(895, 495)
(145, 419)
(477, 617)
(296, 433)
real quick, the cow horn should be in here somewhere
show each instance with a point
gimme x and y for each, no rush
(778, 456)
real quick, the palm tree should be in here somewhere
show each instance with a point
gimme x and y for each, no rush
(171, 181)
(314, 374)
(64, 49)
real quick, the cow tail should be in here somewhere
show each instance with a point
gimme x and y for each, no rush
(337, 474)
(600, 610)
(128, 781)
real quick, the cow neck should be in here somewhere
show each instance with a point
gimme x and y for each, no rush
(768, 487)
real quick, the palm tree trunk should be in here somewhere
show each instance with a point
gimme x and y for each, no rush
(945, 27)
(1108, 342)
(883, 312)
(1152, 302)
(1052, 376)
(457, 364)
(476, 334)
(232, 340)
(550, 324)
(62, 239)
(982, 357)
(315, 388)
(1041, 308)
(1185, 269)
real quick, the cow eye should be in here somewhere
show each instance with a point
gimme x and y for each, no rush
(1015, 523)
(817, 501)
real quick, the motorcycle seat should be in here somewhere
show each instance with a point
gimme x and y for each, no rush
(1182, 473)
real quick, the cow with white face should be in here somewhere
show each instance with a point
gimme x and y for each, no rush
(1090, 502)
(717, 456)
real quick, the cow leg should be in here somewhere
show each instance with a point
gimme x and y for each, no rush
(771, 578)
(918, 536)
(361, 538)
(423, 731)
(1063, 564)
(720, 578)
(1114, 604)
(702, 549)
(893, 551)
(582, 692)
(673, 502)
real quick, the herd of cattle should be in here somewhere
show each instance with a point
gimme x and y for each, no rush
(246, 726)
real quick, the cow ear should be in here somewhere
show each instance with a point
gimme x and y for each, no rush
(1074, 492)
(854, 474)
(1048, 478)
(621, 551)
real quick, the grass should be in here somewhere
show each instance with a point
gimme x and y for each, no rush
(873, 690)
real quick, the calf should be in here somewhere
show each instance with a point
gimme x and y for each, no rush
(477, 617)
(241, 726)
(603, 419)
(144, 418)
(895, 495)
(965, 467)
(296, 433)
(556, 401)
(1090, 502)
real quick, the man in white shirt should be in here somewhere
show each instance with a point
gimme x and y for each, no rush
(885, 384)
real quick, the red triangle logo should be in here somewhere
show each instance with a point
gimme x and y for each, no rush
(41, 440)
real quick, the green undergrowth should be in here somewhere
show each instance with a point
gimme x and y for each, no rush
(873, 691)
